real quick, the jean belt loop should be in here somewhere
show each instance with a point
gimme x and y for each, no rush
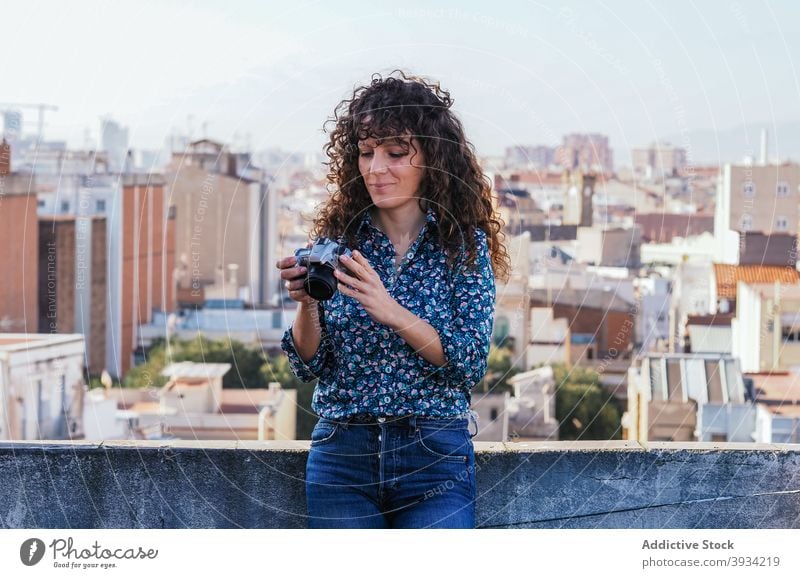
(412, 424)
(473, 416)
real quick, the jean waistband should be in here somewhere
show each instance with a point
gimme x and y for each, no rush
(410, 421)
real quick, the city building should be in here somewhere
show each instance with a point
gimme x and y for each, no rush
(657, 161)
(192, 406)
(696, 397)
(529, 157)
(550, 338)
(41, 386)
(705, 296)
(73, 283)
(18, 259)
(602, 314)
(585, 152)
(532, 409)
(492, 416)
(664, 227)
(511, 323)
(753, 202)
(578, 198)
(610, 247)
(778, 394)
(141, 265)
(226, 228)
(114, 142)
(653, 295)
(766, 330)
(139, 240)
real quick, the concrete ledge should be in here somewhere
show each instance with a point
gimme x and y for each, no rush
(247, 484)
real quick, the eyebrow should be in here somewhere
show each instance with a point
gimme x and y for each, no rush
(395, 141)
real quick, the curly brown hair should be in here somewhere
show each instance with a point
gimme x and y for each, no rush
(453, 182)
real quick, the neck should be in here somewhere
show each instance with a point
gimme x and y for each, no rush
(400, 222)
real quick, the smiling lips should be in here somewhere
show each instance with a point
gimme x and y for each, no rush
(382, 186)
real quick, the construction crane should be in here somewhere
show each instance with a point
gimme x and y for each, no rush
(41, 107)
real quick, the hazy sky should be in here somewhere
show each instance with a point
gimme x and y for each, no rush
(520, 72)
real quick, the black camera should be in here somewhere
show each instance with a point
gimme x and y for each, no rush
(320, 260)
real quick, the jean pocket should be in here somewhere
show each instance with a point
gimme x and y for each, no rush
(323, 432)
(445, 443)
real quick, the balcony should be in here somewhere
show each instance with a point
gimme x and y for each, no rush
(248, 484)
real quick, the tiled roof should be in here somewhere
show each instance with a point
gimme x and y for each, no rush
(727, 276)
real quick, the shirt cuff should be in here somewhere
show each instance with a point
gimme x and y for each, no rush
(304, 371)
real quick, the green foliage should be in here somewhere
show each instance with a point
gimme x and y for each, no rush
(499, 370)
(584, 409)
(148, 374)
(574, 374)
(245, 362)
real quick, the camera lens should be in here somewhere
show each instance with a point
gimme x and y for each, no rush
(320, 283)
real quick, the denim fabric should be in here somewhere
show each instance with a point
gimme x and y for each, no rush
(418, 473)
(365, 367)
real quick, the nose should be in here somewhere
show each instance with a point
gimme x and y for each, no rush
(378, 162)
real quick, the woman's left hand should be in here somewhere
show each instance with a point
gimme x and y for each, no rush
(365, 286)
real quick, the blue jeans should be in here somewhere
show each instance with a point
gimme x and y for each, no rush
(413, 473)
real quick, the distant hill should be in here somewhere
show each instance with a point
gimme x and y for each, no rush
(707, 146)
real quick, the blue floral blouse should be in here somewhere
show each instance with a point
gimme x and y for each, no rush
(370, 369)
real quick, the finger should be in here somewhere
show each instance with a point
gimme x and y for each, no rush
(349, 291)
(349, 280)
(294, 285)
(292, 273)
(361, 260)
(286, 262)
(298, 295)
(354, 266)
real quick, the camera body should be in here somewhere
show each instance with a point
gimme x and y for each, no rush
(320, 261)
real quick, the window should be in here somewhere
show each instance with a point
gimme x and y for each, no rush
(40, 203)
(493, 414)
(783, 189)
(747, 222)
(782, 224)
(749, 189)
(100, 206)
(65, 206)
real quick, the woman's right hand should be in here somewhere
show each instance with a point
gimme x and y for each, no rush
(293, 277)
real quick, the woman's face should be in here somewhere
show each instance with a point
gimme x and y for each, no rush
(392, 170)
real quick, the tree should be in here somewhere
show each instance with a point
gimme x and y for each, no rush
(245, 362)
(584, 409)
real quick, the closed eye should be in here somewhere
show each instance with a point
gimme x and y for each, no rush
(393, 155)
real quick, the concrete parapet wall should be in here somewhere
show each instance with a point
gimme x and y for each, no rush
(249, 484)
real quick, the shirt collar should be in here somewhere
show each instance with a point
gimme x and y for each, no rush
(366, 220)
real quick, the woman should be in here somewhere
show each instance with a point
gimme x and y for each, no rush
(406, 336)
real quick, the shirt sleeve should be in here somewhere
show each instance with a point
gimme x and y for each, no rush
(466, 333)
(304, 371)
